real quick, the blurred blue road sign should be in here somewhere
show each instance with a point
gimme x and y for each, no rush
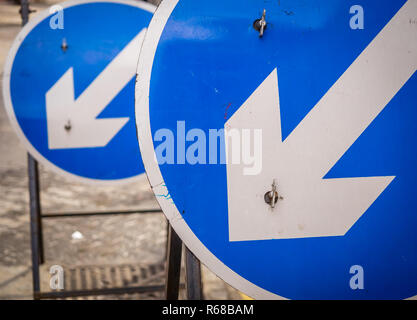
(69, 84)
(322, 202)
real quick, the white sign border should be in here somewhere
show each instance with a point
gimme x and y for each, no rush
(156, 180)
(9, 106)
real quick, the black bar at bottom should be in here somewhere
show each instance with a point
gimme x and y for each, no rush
(173, 268)
(193, 276)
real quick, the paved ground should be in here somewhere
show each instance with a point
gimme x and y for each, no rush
(113, 250)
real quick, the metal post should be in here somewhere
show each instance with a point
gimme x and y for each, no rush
(173, 268)
(24, 11)
(34, 192)
(34, 223)
(193, 276)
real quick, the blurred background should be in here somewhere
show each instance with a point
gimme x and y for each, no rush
(95, 252)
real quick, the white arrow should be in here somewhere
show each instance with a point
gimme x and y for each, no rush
(72, 123)
(313, 206)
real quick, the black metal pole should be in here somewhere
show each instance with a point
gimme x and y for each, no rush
(34, 192)
(34, 223)
(24, 11)
(193, 276)
(173, 268)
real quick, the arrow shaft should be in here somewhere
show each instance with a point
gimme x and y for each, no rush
(359, 95)
(111, 80)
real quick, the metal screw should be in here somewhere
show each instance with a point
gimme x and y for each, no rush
(68, 126)
(260, 24)
(272, 197)
(64, 45)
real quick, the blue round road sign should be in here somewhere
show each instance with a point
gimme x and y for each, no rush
(69, 88)
(314, 105)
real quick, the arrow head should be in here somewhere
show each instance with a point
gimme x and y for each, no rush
(72, 126)
(310, 206)
(73, 123)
